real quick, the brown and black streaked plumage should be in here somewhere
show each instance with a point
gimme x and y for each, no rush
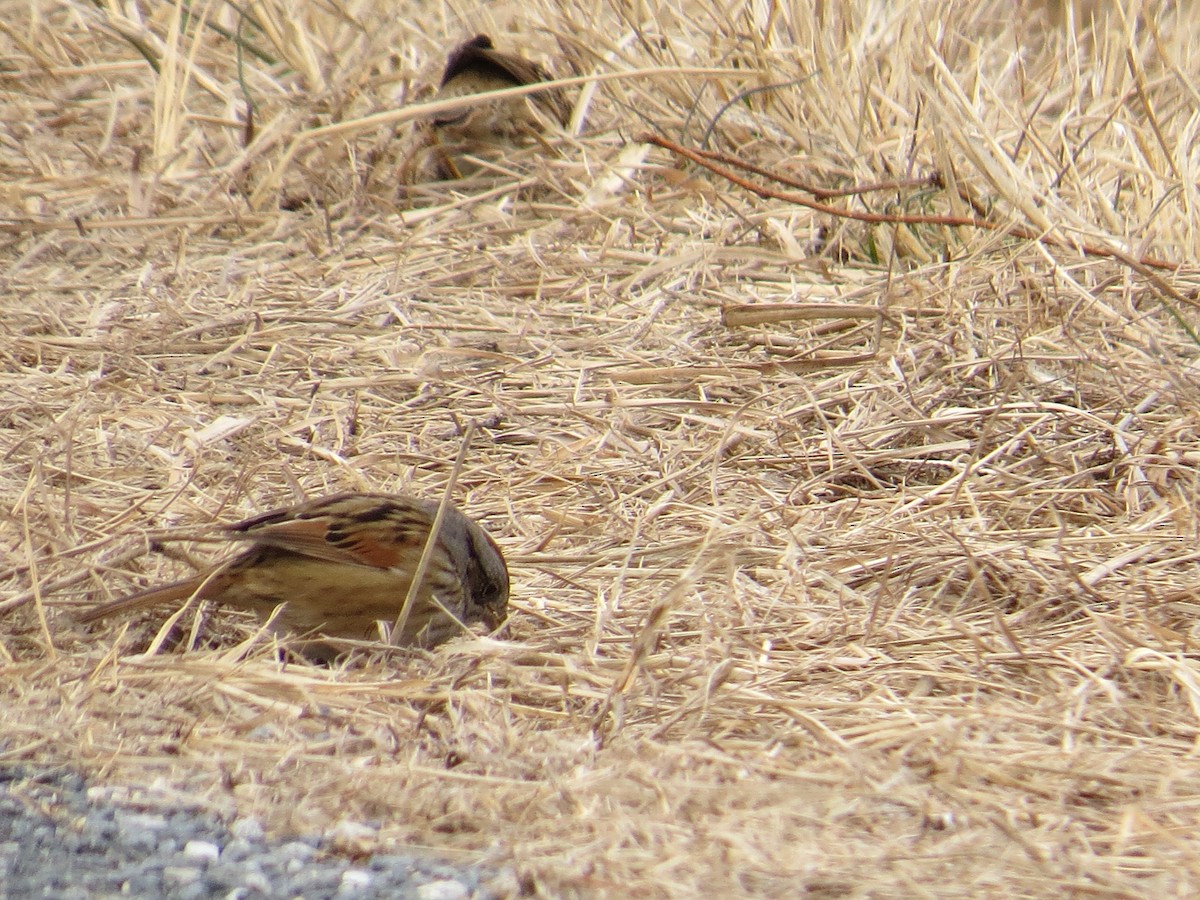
(477, 67)
(338, 565)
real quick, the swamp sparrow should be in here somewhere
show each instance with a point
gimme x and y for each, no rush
(337, 565)
(476, 67)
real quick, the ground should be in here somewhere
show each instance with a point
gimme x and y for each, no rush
(850, 556)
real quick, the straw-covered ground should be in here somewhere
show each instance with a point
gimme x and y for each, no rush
(886, 597)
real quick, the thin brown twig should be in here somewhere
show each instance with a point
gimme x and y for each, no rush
(817, 190)
(1013, 229)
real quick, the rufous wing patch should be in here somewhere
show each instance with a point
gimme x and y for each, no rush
(332, 540)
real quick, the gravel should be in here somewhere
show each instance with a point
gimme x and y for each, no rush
(60, 840)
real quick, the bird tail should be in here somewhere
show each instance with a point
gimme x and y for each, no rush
(180, 590)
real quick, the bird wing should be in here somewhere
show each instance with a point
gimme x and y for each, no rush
(373, 530)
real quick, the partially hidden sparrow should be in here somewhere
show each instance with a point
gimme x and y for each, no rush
(337, 565)
(477, 67)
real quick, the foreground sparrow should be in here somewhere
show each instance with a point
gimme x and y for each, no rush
(476, 67)
(338, 565)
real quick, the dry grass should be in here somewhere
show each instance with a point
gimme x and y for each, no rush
(887, 605)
